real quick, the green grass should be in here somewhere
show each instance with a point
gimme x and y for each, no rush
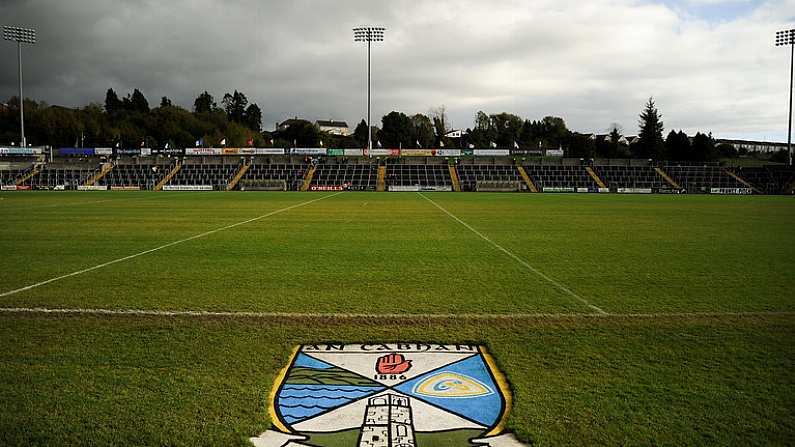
(700, 380)
(136, 381)
(386, 253)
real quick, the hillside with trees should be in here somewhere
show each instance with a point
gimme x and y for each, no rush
(132, 121)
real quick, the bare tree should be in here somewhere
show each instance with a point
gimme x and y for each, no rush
(440, 120)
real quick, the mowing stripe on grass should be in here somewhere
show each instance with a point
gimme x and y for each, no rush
(91, 202)
(385, 316)
(170, 244)
(521, 261)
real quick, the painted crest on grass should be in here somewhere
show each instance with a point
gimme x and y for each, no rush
(388, 395)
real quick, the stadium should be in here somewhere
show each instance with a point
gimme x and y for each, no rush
(181, 276)
(147, 291)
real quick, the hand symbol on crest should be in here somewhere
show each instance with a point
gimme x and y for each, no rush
(392, 364)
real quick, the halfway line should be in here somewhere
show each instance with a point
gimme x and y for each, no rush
(170, 244)
(521, 261)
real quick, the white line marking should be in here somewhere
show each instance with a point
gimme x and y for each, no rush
(170, 244)
(388, 316)
(521, 261)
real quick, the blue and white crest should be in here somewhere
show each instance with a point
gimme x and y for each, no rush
(389, 395)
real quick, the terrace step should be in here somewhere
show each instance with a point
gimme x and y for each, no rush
(454, 178)
(741, 180)
(667, 178)
(310, 173)
(33, 172)
(380, 186)
(168, 177)
(106, 167)
(595, 177)
(526, 178)
(240, 173)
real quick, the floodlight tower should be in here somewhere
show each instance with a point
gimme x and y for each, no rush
(368, 34)
(788, 38)
(20, 36)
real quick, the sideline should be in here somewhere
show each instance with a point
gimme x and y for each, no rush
(170, 244)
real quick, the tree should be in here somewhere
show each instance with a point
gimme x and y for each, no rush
(440, 120)
(204, 103)
(360, 133)
(554, 131)
(254, 117)
(301, 133)
(112, 102)
(165, 102)
(677, 147)
(138, 102)
(235, 106)
(396, 130)
(651, 128)
(703, 147)
(581, 146)
(483, 133)
(422, 130)
(725, 150)
(505, 128)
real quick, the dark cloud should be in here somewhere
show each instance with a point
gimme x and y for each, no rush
(593, 63)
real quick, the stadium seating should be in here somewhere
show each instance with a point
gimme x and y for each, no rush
(409, 173)
(9, 175)
(701, 179)
(291, 173)
(630, 177)
(422, 175)
(768, 179)
(51, 176)
(360, 176)
(144, 176)
(471, 175)
(215, 175)
(558, 177)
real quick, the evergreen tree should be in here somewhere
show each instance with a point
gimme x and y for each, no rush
(235, 106)
(651, 143)
(138, 102)
(677, 147)
(704, 147)
(165, 102)
(112, 102)
(254, 117)
(396, 130)
(360, 133)
(204, 103)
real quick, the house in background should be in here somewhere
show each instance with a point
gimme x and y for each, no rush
(333, 127)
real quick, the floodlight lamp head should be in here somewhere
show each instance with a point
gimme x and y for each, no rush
(17, 34)
(785, 38)
(368, 34)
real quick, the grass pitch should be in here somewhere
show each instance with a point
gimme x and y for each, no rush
(719, 376)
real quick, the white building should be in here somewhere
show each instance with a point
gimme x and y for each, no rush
(333, 127)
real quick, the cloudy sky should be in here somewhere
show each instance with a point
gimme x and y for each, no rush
(710, 64)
